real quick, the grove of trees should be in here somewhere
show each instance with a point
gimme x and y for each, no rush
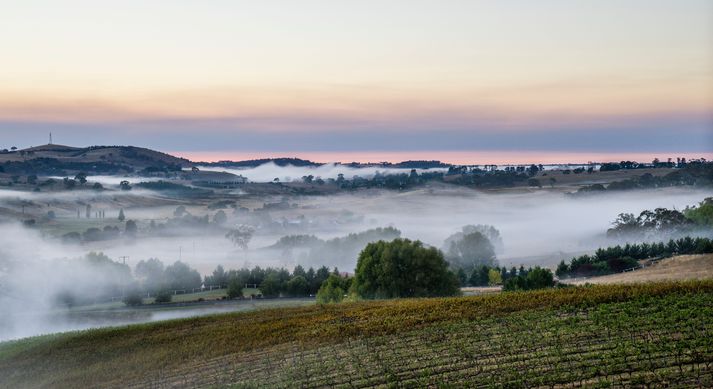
(618, 258)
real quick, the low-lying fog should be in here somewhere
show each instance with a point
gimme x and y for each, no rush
(269, 171)
(537, 228)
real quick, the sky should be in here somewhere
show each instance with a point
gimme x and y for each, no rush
(361, 79)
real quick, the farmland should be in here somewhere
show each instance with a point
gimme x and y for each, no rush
(644, 334)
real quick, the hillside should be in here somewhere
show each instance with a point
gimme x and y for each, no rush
(52, 159)
(682, 267)
(649, 334)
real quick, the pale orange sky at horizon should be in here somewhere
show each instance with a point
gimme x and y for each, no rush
(243, 73)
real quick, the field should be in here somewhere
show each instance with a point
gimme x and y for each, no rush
(677, 268)
(633, 335)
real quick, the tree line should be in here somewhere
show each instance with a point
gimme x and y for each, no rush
(619, 258)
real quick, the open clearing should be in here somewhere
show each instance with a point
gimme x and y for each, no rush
(623, 335)
(682, 267)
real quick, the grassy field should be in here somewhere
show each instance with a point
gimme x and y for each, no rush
(657, 334)
(678, 268)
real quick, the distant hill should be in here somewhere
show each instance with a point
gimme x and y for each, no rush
(63, 160)
(258, 162)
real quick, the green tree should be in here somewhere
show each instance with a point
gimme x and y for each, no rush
(403, 268)
(479, 276)
(270, 286)
(494, 277)
(562, 269)
(235, 288)
(298, 286)
(333, 289)
(462, 277)
(122, 217)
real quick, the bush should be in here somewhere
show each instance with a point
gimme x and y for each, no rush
(235, 289)
(163, 296)
(133, 298)
(333, 290)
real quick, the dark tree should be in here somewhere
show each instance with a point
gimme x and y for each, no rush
(402, 268)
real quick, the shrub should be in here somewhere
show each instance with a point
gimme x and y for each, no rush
(163, 296)
(133, 298)
(235, 289)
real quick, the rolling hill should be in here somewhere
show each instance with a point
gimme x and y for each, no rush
(655, 334)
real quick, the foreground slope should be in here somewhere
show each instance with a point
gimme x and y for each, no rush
(658, 333)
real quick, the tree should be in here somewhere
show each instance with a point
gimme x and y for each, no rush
(333, 289)
(150, 274)
(81, 177)
(562, 269)
(220, 217)
(534, 182)
(130, 229)
(479, 276)
(462, 277)
(539, 278)
(133, 298)
(235, 289)
(494, 277)
(298, 286)
(219, 276)
(179, 211)
(403, 268)
(122, 217)
(181, 276)
(241, 235)
(97, 186)
(124, 185)
(471, 250)
(69, 184)
(270, 286)
(552, 182)
(163, 297)
(88, 211)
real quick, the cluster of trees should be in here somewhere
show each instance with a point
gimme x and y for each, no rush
(693, 173)
(662, 222)
(338, 251)
(656, 163)
(272, 282)
(397, 181)
(618, 258)
(335, 289)
(537, 278)
(488, 178)
(94, 234)
(94, 277)
(474, 245)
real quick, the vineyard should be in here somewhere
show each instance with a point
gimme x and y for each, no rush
(657, 334)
